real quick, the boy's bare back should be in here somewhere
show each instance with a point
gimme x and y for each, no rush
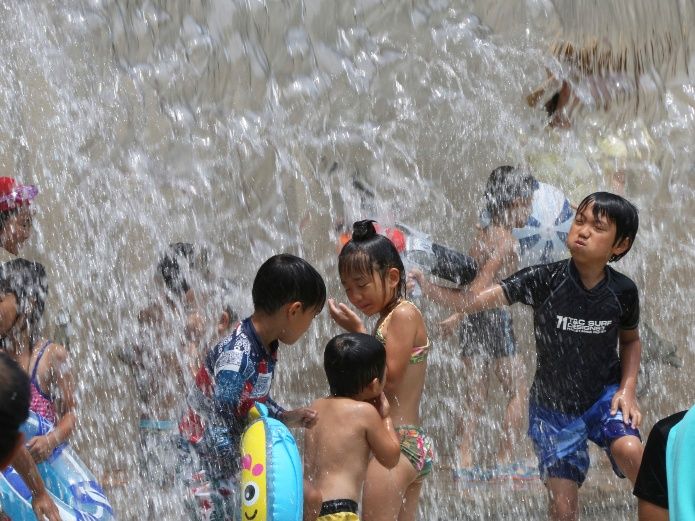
(337, 449)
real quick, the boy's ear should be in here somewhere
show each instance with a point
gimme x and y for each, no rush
(293, 308)
(374, 385)
(621, 247)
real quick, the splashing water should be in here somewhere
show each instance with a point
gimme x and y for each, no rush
(242, 125)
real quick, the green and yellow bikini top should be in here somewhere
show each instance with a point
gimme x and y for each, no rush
(419, 353)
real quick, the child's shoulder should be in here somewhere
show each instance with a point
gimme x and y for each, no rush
(345, 407)
(406, 310)
(620, 281)
(56, 354)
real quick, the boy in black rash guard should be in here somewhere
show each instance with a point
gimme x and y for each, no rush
(583, 388)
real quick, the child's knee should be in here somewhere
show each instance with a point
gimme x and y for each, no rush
(627, 448)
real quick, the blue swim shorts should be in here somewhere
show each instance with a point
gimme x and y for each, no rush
(560, 440)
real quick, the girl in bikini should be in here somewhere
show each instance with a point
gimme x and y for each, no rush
(22, 300)
(373, 276)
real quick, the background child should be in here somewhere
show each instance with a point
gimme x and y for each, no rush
(335, 460)
(487, 338)
(287, 294)
(583, 388)
(23, 292)
(15, 216)
(164, 357)
(373, 276)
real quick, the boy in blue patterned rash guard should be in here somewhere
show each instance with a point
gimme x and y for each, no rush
(287, 293)
(583, 389)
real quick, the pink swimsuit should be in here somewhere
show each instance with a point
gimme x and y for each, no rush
(41, 403)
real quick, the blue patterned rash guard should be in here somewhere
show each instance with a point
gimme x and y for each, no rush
(576, 331)
(242, 370)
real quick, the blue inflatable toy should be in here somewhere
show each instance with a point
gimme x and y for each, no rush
(544, 237)
(70, 484)
(271, 471)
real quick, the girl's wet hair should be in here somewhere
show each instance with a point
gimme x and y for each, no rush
(617, 210)
(27, 281)
(505, 186)
(369, 251)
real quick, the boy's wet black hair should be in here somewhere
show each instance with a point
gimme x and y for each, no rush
(505, 186)
(286, 278)
(170, 265)
(27, 281)
(15, 397)
(352, 361)
(618, 210)
(369, 251)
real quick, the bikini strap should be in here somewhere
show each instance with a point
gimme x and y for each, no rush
(38, 359)
(388, 317)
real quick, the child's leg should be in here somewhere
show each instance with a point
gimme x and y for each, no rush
(509, 372)
(384, 490)
(410, 502)
(563, 499)
(647, 511)
(474, 398)
(627, 453)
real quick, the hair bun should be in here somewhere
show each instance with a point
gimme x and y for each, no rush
(363, 230)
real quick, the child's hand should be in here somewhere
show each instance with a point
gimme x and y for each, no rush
(415, 277)
(626, 401)
(40, 447)
(382, 405)
(44, 507)
(345, 317)
(302, 417)
(451, 325)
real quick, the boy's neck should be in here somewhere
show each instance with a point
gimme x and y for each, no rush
(590, 273)
(266, 329)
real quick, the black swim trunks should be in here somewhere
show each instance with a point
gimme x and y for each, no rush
(489, 334)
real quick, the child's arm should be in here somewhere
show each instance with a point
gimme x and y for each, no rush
(625, 398)
(302, 417)
(400, 339)
(41, 502)
(60, 377)
(467, 302)
(381, 436)
(460, 300)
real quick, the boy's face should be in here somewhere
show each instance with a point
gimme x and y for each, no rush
(593, 238)
(17, 230)
(298, 322)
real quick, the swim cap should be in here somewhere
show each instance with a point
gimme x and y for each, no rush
(13, 195)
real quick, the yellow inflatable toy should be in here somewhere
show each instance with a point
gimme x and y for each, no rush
(271, 470)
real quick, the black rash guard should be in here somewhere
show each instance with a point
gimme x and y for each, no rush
(651, 482)
(576, 331)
